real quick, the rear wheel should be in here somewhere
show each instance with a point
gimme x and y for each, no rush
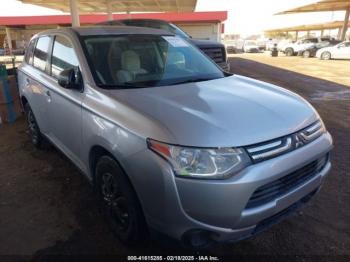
(306, 54)
(289, 52)
(35, 134)
(119, 202)
(326, 56)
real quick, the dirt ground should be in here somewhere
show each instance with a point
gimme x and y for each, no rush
(337, 71)
(48, 208)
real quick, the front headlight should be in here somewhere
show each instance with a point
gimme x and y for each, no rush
(204, 163)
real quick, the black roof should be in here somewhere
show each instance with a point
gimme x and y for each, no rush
(119, 30)
(108, 30)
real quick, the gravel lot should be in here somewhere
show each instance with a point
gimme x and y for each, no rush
(47, 207)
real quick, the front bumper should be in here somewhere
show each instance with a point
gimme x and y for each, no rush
(219, 206)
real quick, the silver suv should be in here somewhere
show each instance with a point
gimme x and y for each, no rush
(170, 141)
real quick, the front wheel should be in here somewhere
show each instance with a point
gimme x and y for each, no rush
(35, 134)
(119, 202)
(326, 56)
(289, 52)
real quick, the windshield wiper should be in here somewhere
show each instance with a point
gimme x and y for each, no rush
(193, 80)
(125, 85)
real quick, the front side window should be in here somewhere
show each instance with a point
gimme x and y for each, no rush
(29, 52)
(41, 52)
(134, 61)
(63, 56)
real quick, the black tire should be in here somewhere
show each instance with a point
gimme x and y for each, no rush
(119, 202)
(289, 52)
(306, 54)
(326, 56)
(36, 136)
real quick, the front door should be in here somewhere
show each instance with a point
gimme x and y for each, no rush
(65, 111)
(342, 51)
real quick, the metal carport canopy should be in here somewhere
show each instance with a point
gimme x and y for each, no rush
(74, 7)
(325, 5)
(312, 27)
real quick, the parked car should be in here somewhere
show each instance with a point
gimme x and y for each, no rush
(281, 44)
(171, 142)
(310, 51)
(18, 51)
(339, 51)
(250, 47)
(216, 51)
(231, 47)
(291, 49)
(270, 44)
(262, 44)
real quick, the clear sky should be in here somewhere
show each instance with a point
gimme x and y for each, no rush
(244, 16)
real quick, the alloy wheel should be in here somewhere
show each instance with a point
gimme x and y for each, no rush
(33, 127)
(115, 202)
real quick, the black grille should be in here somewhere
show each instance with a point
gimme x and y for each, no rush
(215, 53)
(282, 186)
(270, 221)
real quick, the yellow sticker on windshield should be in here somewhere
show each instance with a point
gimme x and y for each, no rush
(176, 41)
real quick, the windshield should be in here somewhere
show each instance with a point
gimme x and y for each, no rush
(134, 61)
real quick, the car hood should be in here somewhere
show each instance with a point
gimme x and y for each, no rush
(231, 111)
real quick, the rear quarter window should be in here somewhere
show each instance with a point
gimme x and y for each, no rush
(30, 52)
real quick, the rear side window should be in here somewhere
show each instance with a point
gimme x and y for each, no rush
(29, 52)
(63, 56)
(41, 52)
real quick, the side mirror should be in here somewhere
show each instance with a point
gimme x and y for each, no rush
(70, 79)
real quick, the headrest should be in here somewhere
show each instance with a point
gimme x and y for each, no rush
(130, 61)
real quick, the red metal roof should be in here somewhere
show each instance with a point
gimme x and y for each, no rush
(218, 16)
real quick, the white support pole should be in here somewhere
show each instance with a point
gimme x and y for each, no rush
(109, 10)
(9, 39)
(296, 35)
(322, 33)
(339, 33)
(219, 32)
(345, 25)
(74, 12)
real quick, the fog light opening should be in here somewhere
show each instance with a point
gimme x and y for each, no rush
(198, 239)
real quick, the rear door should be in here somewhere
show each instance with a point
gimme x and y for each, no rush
(31, 78)
(65, 105)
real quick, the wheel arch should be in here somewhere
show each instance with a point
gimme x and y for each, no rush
(96, 152)
(24, 101)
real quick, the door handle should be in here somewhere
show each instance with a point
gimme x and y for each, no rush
(48, 93)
